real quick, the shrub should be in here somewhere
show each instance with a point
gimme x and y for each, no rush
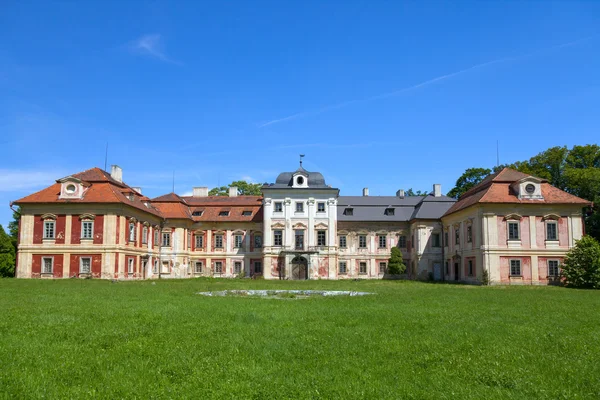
(7, 255)
(395, 263)
(581, 268)
(485, 277)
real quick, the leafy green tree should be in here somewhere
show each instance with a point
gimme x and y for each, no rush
(13, 227)
(7, 255)
(581, 268)
(467, 180)
(244, 189)
(411, 192)
(396, 263)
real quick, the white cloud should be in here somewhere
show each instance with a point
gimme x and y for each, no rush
(153, 45)
(18, 180)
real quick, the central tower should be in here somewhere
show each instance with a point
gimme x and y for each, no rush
(300, 226)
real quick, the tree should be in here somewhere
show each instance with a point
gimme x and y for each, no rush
(396, 263)
(581, 268)
(244, 189)
(467, 180)
(13, 227)
(411, 192)
(7, 255)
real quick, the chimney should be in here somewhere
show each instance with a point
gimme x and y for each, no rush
(437, 190)
(116, 173)
(137, 189)
(200, 191)
(233, 191)
(365, 192)
(400, 193)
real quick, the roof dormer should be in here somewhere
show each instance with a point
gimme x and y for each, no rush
(300, 179)
(71, 188)
(529, 188)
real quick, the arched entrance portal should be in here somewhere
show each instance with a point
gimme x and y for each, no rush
(299, 268)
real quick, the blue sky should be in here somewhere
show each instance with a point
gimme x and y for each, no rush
(386, 95)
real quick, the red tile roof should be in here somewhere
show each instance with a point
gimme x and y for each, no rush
(496, 188)
(174, 206)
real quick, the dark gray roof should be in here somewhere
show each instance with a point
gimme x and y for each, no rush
(284, 180)
(372, 208)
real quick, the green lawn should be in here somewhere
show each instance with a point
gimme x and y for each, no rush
(91, 338)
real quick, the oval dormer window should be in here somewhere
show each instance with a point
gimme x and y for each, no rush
(300, 180)
(530, 188)
(70, 188)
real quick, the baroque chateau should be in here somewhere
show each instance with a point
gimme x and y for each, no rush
(512, 228)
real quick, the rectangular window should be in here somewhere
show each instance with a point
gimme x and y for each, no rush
(87, 229)
(389, 211)
(362, 241)
(320, 207)
(470, 263)
(198, 267)
(299, 239)
(362, 268)
(382, 241)
(447, 268)
(257, 267)
(223, 213)
(85, 265)
(277, 238)
(237, 267)
(382, 267)
(343, 267)
(278, 206)
(349, 211)
(218, 267)
(551, 231)
(238, 240)
(469, 234)
(515, 267)
(130, 266)
(156, 233)
(199, 241)
(435, 240)
(343, 243)
(145, 235)
(166, 239)
(48, 229)
(189, 239)
(402, 242)
(219, 241)
(321, 238)
(257, 241)
(446, 238)
(456, 236)
(299, 207)
(132, 232)
(513, 231)
(47, 264)
(246, 213)
(553, 269)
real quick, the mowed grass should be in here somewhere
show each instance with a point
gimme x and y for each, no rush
(91, 338)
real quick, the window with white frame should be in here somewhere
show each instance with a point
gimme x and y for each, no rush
(469, 234)
(47, 265)
(237, 267)
(238, 240)
(156, 236)
(257, 241)
(553, 268)
(513, 230)
(218, 267)
(277, 238)
(299, 239)
(435, 240)
(320, 207)
(198, 267)
(145, 235)
(382, 267)
(132, 232)
(219, 241)
(85, 265)
(166, 239)
(257, 267)
(278, 206)
(515, 267)
(382, 241)
(130, 266)
(362, 241)
(343, 267)
(402, 242)
(362, 268)
(551, 230)
(321, 241)
(87, 229)
(199, 241)
(299, 206)
(49, 229)
(343, 243)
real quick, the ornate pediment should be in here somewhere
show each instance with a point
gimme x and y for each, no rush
(513, 216)
(49, 216)
(551, 216)
(87, 216)
(321, 225)
(299, 225)
(278, 225)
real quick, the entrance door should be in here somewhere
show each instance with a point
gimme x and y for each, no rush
(299, 268)
(456, 271)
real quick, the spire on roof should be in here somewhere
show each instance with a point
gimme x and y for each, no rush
(301, 156)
